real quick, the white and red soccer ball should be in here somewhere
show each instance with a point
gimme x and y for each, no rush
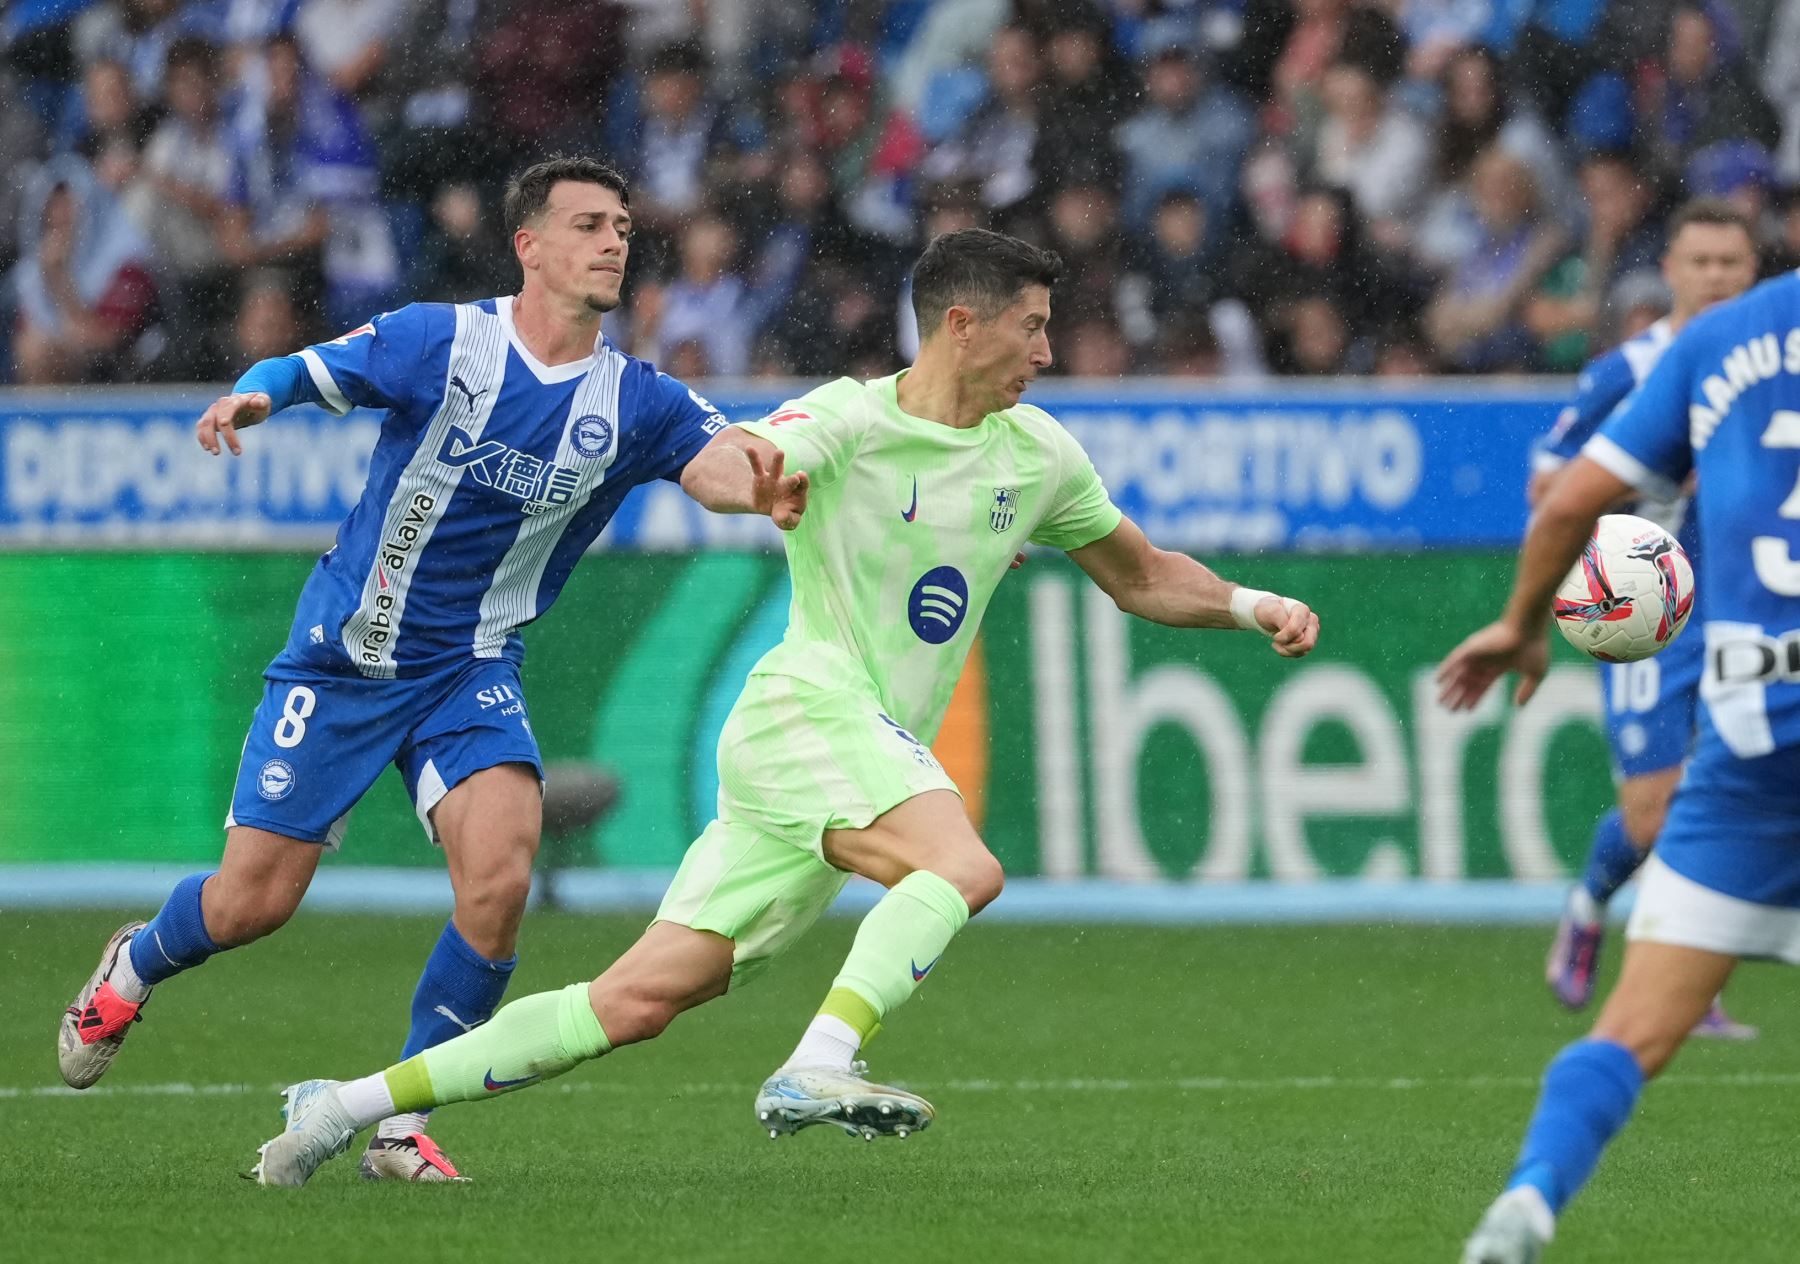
(1629, 594)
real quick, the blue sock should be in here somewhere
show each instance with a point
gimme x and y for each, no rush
(1589, 1090)
(176, 938)
(461, 981)
(1611, 858)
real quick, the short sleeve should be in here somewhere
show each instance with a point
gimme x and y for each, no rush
(814, 433)
(1080, 511)
(684, 422)
(1645, 441)
(1600, 389)
(374, 365)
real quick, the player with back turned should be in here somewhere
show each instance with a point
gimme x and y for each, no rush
(512, 431)
(919, 488)
(1650, 704)
(1722, 405)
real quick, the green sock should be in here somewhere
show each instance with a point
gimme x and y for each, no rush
(534, 1038)
(896, 946)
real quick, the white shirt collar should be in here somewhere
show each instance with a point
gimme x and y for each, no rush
(547, 374)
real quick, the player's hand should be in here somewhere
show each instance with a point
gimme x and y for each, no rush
(1017, 562)
(781, 496)
(1292, 625)
(227, 415)
(1471, 669)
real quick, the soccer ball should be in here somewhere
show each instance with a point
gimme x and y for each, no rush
(1629, 595)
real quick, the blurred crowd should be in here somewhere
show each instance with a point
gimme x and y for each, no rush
(1239, 188)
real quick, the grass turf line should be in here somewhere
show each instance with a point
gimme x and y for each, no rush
(639, 1166)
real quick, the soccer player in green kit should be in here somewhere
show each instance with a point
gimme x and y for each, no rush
(910, 497)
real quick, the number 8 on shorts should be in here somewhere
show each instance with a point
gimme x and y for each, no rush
(290, 729)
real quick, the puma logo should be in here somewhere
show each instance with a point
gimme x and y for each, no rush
(445, 1011)
(462, 386)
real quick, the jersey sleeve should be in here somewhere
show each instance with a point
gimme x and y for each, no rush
(1645, 441)
(817, 433)
(1080, 511)
(687, 421)
(1602, 386)
(374, 365)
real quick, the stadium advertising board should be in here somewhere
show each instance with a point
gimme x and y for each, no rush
(1087, 744)
(1318, 471)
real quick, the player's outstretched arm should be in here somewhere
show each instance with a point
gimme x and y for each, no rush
(1518, 641)
(739, 472)
(1174, 589)
(267, 387)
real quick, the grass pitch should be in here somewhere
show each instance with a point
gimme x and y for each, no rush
(1257, 1095)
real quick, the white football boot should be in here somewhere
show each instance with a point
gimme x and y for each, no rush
(1515, 1230)
(796, 1098)
(400, 1151)
(318, 1128)
(97, 1021)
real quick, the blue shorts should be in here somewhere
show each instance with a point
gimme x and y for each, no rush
(1651, 707)
(319, 741)
(1734, 826)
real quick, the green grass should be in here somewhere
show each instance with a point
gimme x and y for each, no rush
(652, 1154)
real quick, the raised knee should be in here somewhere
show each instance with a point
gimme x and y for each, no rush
(980, 881)
(630, 1017)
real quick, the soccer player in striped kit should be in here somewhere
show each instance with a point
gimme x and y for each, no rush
(512, 430)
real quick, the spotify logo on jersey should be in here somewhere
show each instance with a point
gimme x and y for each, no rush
(938, 603)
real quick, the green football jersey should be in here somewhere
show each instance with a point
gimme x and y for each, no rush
(909, 527)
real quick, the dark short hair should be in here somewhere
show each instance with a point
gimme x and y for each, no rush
(1716, 212)
(977, 269)
(528, 193)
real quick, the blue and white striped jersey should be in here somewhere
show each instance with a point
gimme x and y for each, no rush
(492, 475)
(1724, 402)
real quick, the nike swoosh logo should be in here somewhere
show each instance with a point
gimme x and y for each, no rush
(911, 512)
(918, 974)
(494, 1086)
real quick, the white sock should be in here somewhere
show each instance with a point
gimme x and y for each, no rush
(829, 1044)
(124, 979)
(396, 1126)
(1584, 908)
(368, 1099)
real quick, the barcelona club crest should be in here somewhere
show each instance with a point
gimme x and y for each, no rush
(1005, 508)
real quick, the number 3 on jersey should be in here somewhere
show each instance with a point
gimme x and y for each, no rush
(1775, 565)
(290, 730)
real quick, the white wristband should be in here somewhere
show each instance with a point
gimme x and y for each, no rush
(1243, 608)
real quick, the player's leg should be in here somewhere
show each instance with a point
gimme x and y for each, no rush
(1693, 920)
(489, 825)
(472, 767)
(938, 874)
(670, 969)
(1650, 709)
(1622, 838)
(1590, 1089)
(256, 888)
(315, 744)
(741, 898)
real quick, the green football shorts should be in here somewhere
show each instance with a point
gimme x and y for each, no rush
(794, 761)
